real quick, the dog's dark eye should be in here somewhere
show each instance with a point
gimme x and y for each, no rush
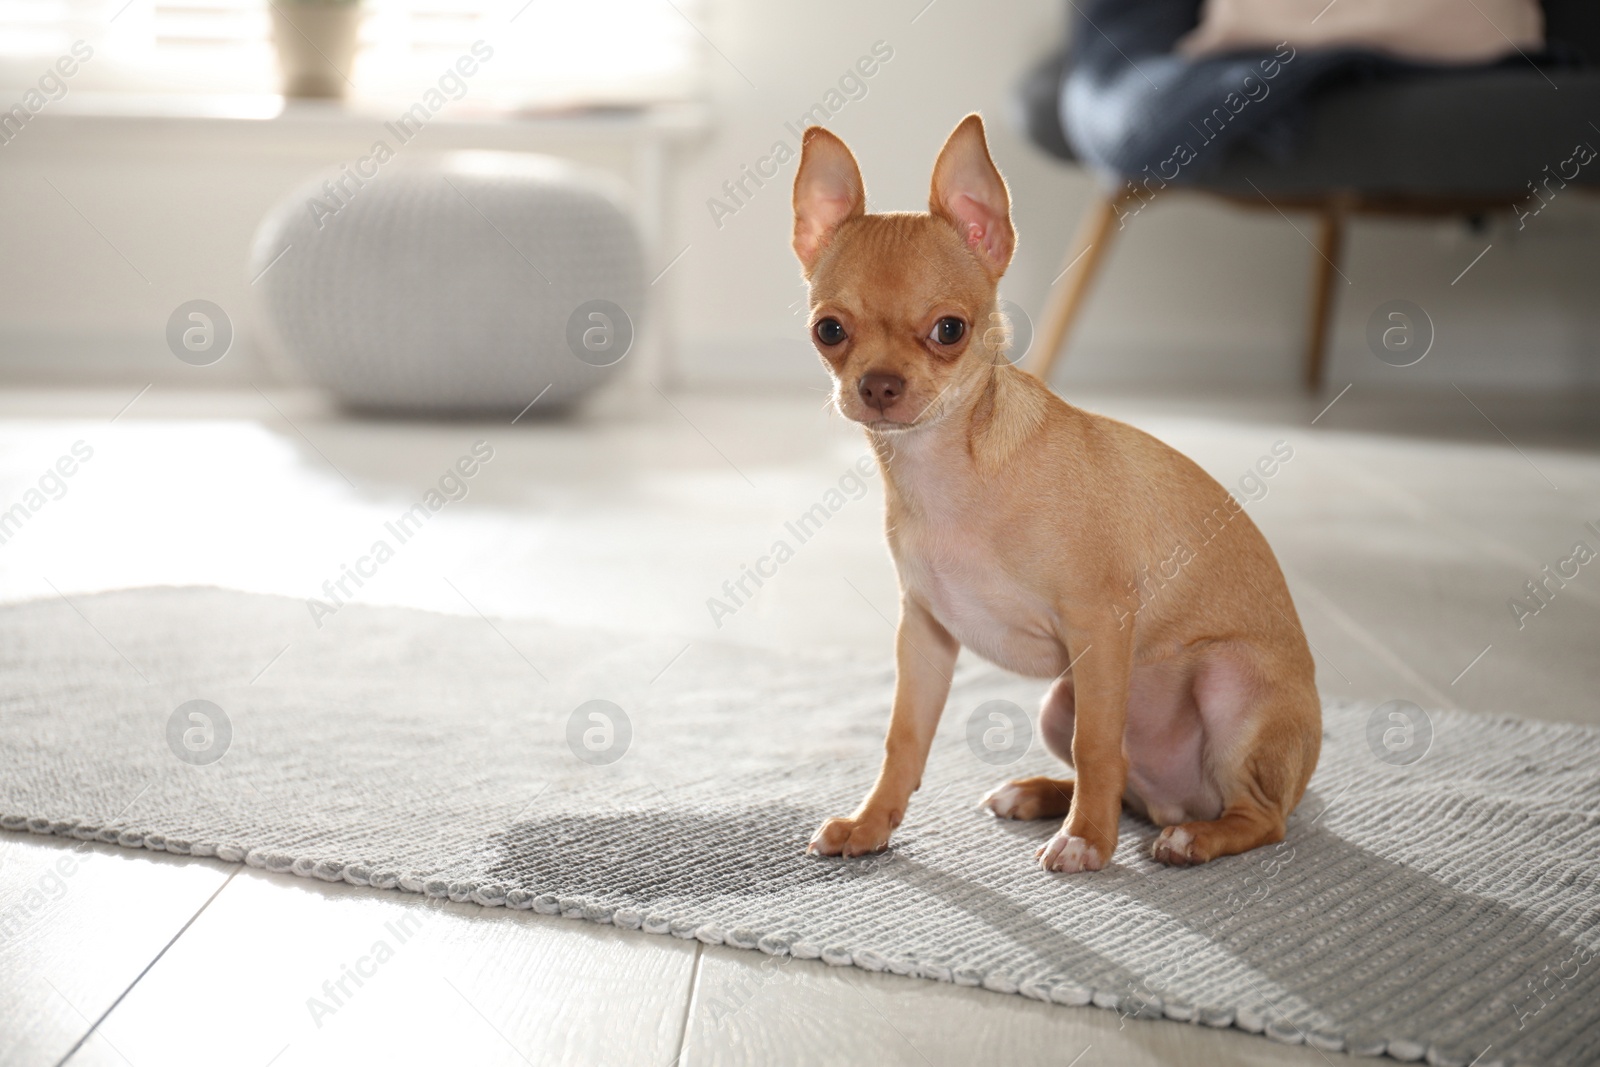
(829, 332)
(947, 331)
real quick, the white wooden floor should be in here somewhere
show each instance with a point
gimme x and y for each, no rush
(1405, 526)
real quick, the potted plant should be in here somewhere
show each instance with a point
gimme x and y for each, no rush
(316, 44)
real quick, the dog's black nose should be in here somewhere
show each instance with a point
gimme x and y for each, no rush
(879, 390)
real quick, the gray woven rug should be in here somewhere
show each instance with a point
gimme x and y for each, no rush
(1434, 910)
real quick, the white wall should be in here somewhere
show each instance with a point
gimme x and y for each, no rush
(1195, 291)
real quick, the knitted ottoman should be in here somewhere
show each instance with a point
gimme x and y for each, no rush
(462, 283)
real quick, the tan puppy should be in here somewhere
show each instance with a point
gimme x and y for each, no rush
(1056, 543)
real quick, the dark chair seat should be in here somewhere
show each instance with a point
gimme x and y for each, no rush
(1339, 132)
(1476, 131)
(1483, 133)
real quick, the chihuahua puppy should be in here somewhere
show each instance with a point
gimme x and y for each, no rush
(1054, 542)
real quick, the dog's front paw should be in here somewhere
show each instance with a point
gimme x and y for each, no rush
(1069, 854)
(850, 837)
(1176, 847)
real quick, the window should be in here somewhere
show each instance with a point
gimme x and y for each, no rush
(546, 52)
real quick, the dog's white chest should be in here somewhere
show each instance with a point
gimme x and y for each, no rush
(967, 588)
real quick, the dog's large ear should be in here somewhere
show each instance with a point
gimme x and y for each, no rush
(969, 193)
(827, 193)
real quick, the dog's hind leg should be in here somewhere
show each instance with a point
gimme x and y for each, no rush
(1240, 829)
(1030, 798)
(1042, 797)
(1261, 776)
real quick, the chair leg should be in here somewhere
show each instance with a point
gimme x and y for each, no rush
(1324, 269)
(1096, 231)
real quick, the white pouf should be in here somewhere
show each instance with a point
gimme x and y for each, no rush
(466, 282)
